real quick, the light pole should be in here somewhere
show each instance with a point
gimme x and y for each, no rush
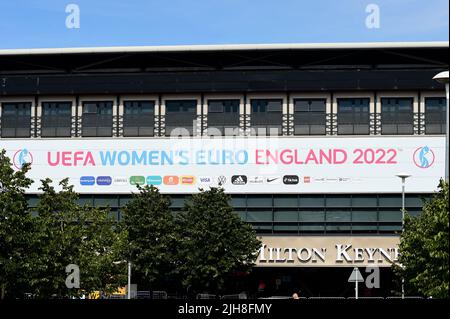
(129, 275)
(403, 176)
(443, 79)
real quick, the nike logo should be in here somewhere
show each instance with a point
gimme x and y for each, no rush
(270, 180)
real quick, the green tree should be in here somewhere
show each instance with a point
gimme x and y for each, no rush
(214, 241)
(150, 237)
(424, 248)
(16, 229)
(71, 234)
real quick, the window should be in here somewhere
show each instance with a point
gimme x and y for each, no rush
(16, 119)
(353, 116)
(266, 117)
(309, 117)
(56, 120)
(180, 117)
(97, 119)
(138, 118)
(397, 116)
(435, 115)
(223, 117)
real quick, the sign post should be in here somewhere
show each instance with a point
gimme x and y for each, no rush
(356, 277)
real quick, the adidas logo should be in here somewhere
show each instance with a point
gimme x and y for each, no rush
(239, 180)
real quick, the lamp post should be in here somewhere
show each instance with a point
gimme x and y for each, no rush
(443, 79)
(403, 176)
(129, 275)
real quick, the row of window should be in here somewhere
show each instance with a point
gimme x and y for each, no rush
(223, 118)
(298, 214)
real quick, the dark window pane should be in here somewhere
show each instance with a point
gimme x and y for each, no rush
(138, 118)
(223, 117)
(97, 118)
(16, 119)
(353, 116)
(180, 117)
(309, 117)
(266, 117)
(397, 117)
(435, 115)
(56, 120)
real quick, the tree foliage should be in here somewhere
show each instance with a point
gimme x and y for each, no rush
(72, 234)
(424, 248)
(16, 229)
(150, 236)
(214, 241)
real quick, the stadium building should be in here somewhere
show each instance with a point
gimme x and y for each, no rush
(307, 139)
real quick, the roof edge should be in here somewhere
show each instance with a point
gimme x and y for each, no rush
(227, 47)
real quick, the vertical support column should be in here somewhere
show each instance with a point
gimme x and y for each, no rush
(121, 111)
(117, 124)
(198, 129)
(79, 118)
(33, 124)
(162, 117)
(204, 116)
(38, 117)
(416, 116)
(287, 118)
(422, 114)
(331, 116)
(156, 117)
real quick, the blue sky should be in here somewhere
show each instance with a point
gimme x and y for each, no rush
(41, 23)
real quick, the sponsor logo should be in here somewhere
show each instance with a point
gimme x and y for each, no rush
(256, 180)
(120, 180)
(424, 157)
(154, 180)
(205, 180)
(343, 179)
(273, 180)
(137, 180)
(104, 180)
(221, 180)
(87, 180)
(238, 179)
(171, 180)
(21, 157)
(291, 179)
(187, 180)
(307, 179)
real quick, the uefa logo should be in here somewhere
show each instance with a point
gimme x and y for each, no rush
(424, 157)
(21, 157)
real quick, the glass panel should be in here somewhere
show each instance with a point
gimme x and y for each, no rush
(238, 201)
(338, 216)
(259, 201)
(364, 216)
(312, 216)
(364, 201)
(390, 216)
(286, 216)
(285, 201)
(259, 216)
(390, 200)
(338, 201)
(312, 201)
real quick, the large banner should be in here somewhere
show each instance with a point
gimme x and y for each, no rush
(239, 165)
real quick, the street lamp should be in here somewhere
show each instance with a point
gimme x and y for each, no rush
(443, 79)
(403, 176)
(129, 275)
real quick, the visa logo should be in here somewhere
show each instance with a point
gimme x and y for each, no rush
(205, 180)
